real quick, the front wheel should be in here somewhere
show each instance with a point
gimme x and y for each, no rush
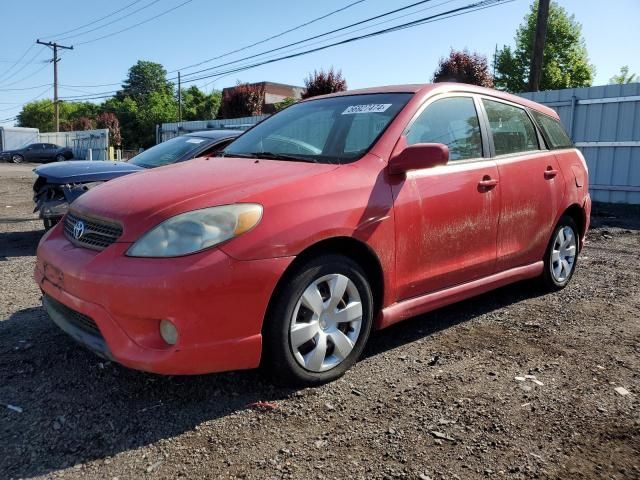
(17, 159)
(561, 256)
(319, 322)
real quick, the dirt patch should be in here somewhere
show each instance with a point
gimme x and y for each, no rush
(434, 397)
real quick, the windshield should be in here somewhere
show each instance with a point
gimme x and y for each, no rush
(328, 130)
(169, 152)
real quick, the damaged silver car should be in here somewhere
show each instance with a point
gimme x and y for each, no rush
(61, 183)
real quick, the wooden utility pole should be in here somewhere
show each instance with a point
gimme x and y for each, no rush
(535, 73)
(179, 99)
(55, 60)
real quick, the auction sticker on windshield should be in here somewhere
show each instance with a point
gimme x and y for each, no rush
(195, 140)
(368, 108)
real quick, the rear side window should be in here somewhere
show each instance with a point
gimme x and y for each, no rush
(452, 121)
(511, 128)
(553, 132)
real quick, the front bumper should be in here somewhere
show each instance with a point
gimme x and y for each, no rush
(217, 304)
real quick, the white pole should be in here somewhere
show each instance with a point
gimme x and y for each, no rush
(90, 152)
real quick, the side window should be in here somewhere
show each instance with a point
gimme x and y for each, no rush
(213, 149)
(452, 121)
(511, 128)
(552, 130)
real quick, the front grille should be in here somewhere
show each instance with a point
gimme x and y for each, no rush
(75, 318)
(96, 235)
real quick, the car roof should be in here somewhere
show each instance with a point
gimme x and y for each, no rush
(215, 134)
(443, 88)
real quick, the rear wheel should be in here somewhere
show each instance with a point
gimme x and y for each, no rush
(319, 322)
(561, 256)
(17, 158)
(60, 158)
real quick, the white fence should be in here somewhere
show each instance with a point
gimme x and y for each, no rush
(85, 144)
(604, 123)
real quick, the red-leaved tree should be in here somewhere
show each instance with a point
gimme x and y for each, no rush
(464, 67)
(322, 83)
(244, 100)
(110, 121)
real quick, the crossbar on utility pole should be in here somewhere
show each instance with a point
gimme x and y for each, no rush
(56, 107)
(535, 73)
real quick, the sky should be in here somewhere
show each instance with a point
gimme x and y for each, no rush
(192, 31)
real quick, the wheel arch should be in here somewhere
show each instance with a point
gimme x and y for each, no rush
(577, 213)
(355, 249)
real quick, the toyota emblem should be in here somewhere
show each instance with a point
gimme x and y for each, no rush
(78, 230)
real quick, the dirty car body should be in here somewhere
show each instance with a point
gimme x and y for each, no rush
(60, 184)
(338, 215)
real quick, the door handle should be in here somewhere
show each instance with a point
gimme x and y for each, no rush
(487, 182)
(550, 172)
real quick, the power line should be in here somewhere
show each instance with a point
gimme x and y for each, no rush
(297, 27)
(109, 23)
(391, 12)
(134, 26)
(19, 60)
(38, 52)
(481, 5)
(93, 22)
(314, 37)
(15, 82)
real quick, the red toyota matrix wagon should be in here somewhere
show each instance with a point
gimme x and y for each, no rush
(340, 214)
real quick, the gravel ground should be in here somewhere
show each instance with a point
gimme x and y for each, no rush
(434, 397)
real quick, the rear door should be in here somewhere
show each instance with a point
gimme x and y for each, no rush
(447, 217)
(531, 182)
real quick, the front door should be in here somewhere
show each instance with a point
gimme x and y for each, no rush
(446, 217)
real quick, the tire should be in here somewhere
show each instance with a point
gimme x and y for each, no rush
(60, 158)
(291, 360)
(17, 158)
(559, 265)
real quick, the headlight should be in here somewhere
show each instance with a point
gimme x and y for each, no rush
(193, 231)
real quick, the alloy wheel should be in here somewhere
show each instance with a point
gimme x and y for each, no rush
(563, 254)
(16, 159)
(326, 323)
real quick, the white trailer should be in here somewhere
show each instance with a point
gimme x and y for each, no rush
(12, 138)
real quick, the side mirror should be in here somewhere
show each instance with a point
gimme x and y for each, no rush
(418, 156)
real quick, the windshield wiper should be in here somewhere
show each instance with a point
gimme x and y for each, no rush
(281, 156)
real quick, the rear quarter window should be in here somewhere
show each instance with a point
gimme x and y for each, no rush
(553, 131)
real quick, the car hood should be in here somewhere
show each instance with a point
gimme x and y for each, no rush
(11, 152)
(141, 201)
(80, 171)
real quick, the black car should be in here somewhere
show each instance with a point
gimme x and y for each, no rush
(37, 152)
(60, 184)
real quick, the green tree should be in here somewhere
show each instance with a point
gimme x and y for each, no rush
(623, 77)
(565, 59)
(39, 114)
(145, 100)
(143, 79)
(284, 103)
(197, 105)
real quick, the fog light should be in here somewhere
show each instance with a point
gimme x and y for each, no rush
(168, 332)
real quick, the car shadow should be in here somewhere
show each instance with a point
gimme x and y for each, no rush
(77, 408)
(19, 244)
